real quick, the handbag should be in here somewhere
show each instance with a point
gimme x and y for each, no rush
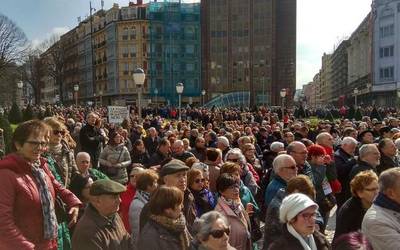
(256, 233)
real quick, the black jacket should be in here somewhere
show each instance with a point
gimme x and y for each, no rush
(151, 144)
(359, 167)
(344, 163)
(386, 163)
(349, 217)
(91, 141)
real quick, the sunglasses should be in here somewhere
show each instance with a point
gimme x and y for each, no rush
(291, 167)
(199, 181)
(220, 232)
(56, 132)
(233, 160)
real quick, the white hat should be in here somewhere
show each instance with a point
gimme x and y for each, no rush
(293, 204)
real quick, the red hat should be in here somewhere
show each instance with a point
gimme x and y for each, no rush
(316, 150)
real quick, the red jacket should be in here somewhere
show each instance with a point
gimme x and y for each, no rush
(126, 199)
(21, 216)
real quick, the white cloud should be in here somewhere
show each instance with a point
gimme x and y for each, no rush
(57, 31)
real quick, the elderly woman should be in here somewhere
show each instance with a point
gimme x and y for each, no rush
(231, 207)
(146, 184)
(364, 189)
(166, 227)
(128, 195)
(298, 212)
(249, 152)
(211, 232)
(60, 157)
(247, 175)
(28, 192)
(115, 158)
(203, 198)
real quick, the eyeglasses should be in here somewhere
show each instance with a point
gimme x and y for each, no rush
(233, 160)
(56, 132)
(308, 216)
(199, 180)
(220, 232)
(294, 167)
(38, 144)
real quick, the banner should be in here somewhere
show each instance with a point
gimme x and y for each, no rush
(116, 114)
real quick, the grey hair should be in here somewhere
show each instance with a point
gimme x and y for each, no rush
(349, 141)
(276, 145)
(81, 154)
(238, 153)
(365, 149)
(389, 179)
(280, 162)
(203, 225)
(321, 135)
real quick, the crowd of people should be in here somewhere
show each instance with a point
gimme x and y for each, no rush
(217, 179)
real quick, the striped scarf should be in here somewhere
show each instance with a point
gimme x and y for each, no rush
(47, 202)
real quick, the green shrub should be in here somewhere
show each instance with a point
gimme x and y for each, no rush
(15, 115)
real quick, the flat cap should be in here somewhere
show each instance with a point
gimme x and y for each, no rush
(100, 187)
(173, 167)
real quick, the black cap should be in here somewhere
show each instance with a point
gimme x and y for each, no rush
(173, 167)
(104, 186)
(361, 135)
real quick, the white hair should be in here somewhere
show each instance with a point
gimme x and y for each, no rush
(365, 149)
(322, 135)
(82, 154)
(238, 153)
(276, 145)
(281, 161)
(349, 141)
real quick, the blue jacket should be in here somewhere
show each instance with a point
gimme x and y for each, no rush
(273, 187)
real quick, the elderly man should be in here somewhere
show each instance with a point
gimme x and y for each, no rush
(299, 153)
(381, 224)
(344, 162)
(179, 152)
(151, 141)
(100, 226)
(83, 164)
(269, 155)
(91, 138)
(388, 151)
(199, 149)
(223, 144)
(285, 168)
(162, 153)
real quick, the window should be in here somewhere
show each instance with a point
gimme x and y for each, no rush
(133, 51)
(125, 52)
(125, 34)
(386, 51)
(386, 31)
(133, 33)
(386, 73)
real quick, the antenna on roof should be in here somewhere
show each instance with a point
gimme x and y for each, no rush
(79, 19)
(102, 4)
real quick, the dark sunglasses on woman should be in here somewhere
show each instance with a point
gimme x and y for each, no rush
(220, 232)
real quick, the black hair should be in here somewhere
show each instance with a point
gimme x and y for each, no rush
(225, 181)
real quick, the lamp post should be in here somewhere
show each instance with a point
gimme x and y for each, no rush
(156, 93)
(179, 90)
(283, 95)
(101, 97)
(20, 85)
(76, 89)
(203, 93)
(138, 77)
(355, 97)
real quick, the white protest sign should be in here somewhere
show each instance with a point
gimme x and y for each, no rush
(116, 114)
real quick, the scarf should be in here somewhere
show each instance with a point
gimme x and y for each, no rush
(144, 194)
(47, 202)
(201, 201)
(56, 151)
(236, 206)
(383, 201)
(177, 226)
(306, 246)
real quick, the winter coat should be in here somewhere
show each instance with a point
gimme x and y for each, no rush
(21, 209)
(95, 231)
(126, 199)
(288, 242)
(359, 167)
(157, 158)
(150, 144)
(344, 163)
(240, 227)
(135, 209)
(386, 162)
(248, 178)
(381, 226)
(273, 187)
(204, 201)
(156, 237)
(91, 140)
(349, 217)
(116, 157)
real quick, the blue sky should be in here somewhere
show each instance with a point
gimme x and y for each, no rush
(321, 24)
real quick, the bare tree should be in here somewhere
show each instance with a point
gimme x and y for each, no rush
(13, 43)
(32, 72)
(54, 61)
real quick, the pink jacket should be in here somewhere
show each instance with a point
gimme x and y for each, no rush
(239, 237)
(21, 219)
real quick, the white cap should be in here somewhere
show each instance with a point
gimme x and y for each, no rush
(293, 204)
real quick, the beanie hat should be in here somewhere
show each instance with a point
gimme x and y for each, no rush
(293, 204)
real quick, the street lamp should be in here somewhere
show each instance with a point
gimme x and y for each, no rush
(20, 85)
(156, 93)
(179, 90)
(203, 93)
(355, 97)
(101, 97)
(283, 95)
(76, 89)
(138, 77)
